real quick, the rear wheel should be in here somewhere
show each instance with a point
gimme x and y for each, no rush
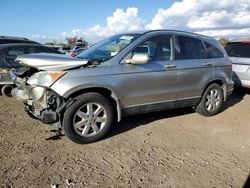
(6, 90)
(88, 119)
(212, 101)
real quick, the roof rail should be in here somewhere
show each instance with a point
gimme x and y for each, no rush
(179, 31)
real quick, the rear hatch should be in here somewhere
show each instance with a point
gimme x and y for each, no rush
(239, 53)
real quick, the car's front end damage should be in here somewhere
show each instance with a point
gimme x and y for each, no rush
(33, 88)
(40, 102)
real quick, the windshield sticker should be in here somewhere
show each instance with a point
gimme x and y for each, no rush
(125, 37)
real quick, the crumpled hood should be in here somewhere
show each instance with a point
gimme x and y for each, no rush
(50, 62)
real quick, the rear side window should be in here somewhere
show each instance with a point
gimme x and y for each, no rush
(213, 52)
(238, 50)
(191, 48)
(16, 51)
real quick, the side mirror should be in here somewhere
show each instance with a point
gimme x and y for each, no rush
(138, 59)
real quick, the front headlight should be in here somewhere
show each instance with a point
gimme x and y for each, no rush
(45, 78)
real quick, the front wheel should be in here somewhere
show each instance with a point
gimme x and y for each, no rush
(212, 101)
(6, 90)
(88, 119)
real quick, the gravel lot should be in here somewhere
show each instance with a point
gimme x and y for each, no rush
(176, 148)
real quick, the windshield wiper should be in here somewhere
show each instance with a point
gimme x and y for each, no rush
(95, 61)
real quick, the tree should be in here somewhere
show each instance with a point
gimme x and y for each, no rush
(74, 41)
(49, 43)
(71, 40)
(223, 41)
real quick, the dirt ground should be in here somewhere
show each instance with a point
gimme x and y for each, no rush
(176, 148)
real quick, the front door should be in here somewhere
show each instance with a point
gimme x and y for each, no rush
(153, 85)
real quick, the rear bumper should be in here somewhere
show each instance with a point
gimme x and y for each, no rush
(241, 79)
(241, 83)
(230, 88)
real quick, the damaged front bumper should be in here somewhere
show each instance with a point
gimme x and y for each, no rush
(40, 102)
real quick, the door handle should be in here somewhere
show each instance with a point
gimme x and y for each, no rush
(207, 64)
(170, 66)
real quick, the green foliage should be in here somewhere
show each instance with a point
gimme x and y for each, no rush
(223, 41)
(75, 41)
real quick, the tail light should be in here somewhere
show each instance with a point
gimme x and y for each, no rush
(73, 54)
(247, 42)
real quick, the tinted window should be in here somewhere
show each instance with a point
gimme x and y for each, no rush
(238, 50)
(16, 51)
(3, 65)
(213, 52)
(45, 50)
(158, 48)
(32, 50)
(8, 64)
(191, 48)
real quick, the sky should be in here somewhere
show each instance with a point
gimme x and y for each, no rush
(54, 20)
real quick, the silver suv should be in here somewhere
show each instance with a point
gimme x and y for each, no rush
(125, 74)
(239, 53)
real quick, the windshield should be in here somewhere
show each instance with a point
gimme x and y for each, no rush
(107, 48)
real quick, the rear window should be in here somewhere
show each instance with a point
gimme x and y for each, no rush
(238, 50)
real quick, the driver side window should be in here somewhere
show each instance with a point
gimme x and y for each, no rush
(158, 48)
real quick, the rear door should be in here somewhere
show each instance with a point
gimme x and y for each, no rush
(154, 85)
(195, 70)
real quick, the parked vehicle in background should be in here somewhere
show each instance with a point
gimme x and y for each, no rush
(122, 75)
(8, 54)
(74, 48)
(64, 50)
(6, 82)
(239, 53)
(54, 47)
(9, 39)
(76, 52)
(11, 51)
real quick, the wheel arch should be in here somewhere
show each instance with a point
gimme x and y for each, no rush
(221, 82)
(106, 92)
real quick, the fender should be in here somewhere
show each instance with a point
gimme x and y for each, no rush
(86, 88)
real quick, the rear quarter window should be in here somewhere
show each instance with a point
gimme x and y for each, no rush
(213, 52)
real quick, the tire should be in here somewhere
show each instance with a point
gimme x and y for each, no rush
(88, 119)
(212, 101)
(6, 90)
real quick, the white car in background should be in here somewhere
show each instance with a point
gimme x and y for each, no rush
(239, 53)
